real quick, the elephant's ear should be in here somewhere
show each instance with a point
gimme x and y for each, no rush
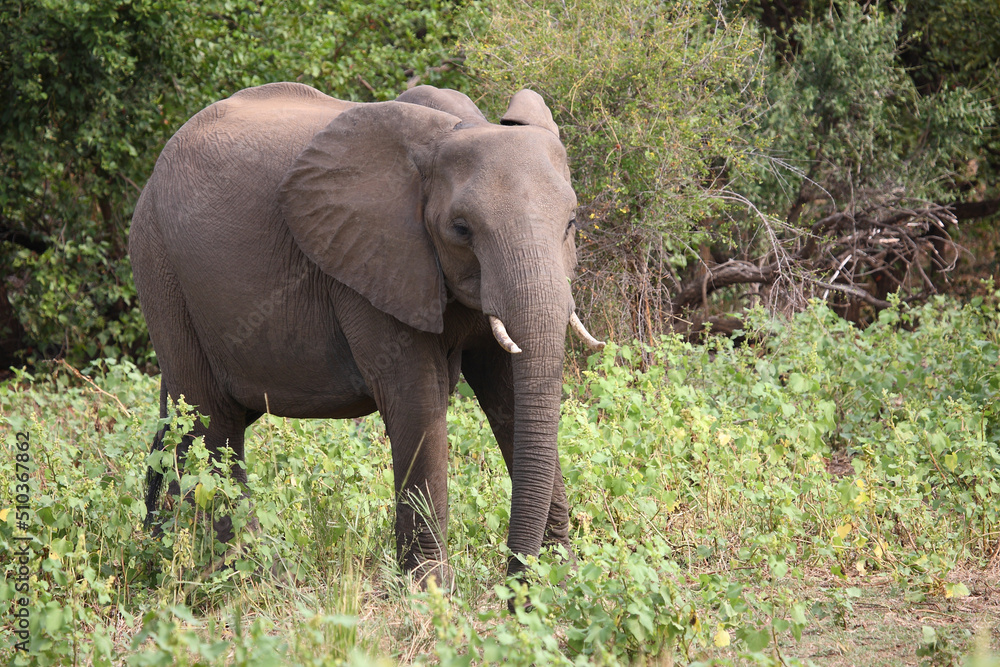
(442, 99)
(528, 108)
(353, 201)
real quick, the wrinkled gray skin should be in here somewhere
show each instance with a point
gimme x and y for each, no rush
(309, 257)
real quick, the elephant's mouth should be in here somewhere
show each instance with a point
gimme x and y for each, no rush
(466, 290)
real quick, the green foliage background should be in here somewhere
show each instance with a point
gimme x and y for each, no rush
(658, 105)
(703, 131)
(852, 116)
(690, 124)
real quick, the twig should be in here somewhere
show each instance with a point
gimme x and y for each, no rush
(728, 569)
(83, 377)
(855, 291)
(995, 558)
(837, 273)
(130, 182)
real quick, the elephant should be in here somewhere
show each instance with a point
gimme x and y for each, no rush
(308, 257)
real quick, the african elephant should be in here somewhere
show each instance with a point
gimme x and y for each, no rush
(309, 257)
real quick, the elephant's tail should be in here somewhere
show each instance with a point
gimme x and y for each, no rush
(154, 480)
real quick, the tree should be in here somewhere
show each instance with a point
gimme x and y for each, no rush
(877, 156)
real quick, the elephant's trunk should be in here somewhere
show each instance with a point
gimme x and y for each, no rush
(537, 396)
(534, 303)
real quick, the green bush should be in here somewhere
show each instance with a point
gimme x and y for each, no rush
(701, 480)
(702, 132)
(847, 116)
(657, 104)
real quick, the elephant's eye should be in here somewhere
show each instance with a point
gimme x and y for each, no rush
(461, 229)
(570, 226)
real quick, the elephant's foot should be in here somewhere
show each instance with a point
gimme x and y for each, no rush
(518, 573)
(282, 570)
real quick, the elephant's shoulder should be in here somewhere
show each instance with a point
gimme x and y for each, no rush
(255, 130)
(287, 90)
(288, 113)
(276, 98)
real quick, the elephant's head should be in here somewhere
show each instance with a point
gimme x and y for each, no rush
(414, 202)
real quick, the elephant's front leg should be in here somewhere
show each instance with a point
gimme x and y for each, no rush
(406, 372)
(488, 372)
(416, 424)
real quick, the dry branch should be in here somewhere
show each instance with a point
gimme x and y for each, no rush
(733, 272)
(77, 373)
(854, 257)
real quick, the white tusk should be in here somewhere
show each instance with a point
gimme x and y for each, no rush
(592, 343)
(500, 333)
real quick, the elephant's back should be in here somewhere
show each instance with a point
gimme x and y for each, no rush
(285, 109)
(255, 132)
(215, 182)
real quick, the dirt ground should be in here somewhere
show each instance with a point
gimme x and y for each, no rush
(883, 627)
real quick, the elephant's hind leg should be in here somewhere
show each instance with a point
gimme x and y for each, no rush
(185, 369)
(154, 480)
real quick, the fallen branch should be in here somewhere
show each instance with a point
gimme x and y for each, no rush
(855, 292)
(733, 272)
(86, 379)
(842, 252)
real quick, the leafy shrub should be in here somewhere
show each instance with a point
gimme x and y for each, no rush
(702, 484)
(775, 136)
(656, 103)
